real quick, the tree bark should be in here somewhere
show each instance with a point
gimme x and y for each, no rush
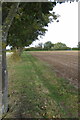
(20, 49)
(5, 30)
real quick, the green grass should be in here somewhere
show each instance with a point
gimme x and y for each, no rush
(36, 92)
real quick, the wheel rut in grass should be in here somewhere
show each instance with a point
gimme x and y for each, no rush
(53, 84)
(36, 92)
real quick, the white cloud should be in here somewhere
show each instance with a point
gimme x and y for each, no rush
(66, 30)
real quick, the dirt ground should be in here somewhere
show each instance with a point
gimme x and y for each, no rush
(64, 63)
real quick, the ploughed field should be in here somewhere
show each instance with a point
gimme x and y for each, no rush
(64, 63)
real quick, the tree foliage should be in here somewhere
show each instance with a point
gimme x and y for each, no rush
(29, 22)
(48, 45)
(59, 46)
(40, 45)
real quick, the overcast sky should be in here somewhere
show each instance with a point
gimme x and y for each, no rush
(66, 30)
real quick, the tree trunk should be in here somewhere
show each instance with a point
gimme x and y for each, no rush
(4, 82)
(20, 49)
(0, 62)
(5, 30)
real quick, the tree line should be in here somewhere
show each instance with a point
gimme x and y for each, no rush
(51, 46)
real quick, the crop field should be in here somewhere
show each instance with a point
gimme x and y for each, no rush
(64, 63)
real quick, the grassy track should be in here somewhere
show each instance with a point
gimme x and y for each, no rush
(36, 92)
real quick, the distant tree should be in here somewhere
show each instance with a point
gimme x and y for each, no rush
(40, 45)
(48, 45)
(60, 46)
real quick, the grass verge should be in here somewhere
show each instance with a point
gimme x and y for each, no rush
(36, 92)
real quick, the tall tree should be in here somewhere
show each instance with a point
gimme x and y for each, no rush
(5, 29)
(37, 13)
(29, 24)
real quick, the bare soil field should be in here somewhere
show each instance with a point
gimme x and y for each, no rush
(64, 63)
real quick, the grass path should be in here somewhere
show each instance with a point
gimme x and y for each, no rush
(36, 92)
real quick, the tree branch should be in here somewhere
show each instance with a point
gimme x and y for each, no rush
(8, 21)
